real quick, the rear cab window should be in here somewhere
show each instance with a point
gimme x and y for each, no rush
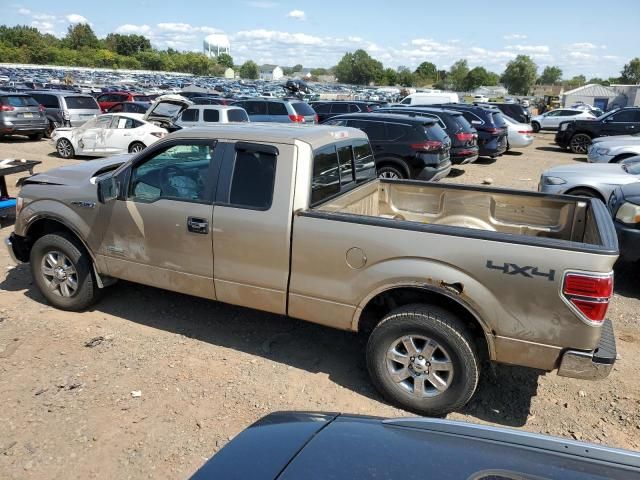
(340, 167)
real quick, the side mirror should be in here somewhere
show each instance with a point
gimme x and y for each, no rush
(108, 189)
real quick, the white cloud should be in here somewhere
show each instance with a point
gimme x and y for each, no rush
(44, 27)
(129, 28)
(75, 18)
(514, 36)
(582, 46)
(297, 14)
(529, 48)
(175, 27)
(24, 11)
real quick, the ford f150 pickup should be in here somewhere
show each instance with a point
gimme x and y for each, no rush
(292, 220)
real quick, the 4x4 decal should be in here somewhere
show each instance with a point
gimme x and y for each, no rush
(528, 271)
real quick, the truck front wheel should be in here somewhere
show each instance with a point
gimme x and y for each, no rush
(422, 358)
(61, 269)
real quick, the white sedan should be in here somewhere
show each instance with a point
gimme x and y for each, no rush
(116, 133)
(520, 135)
(108, 134)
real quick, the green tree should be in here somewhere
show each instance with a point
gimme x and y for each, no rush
(150, 60)
(520, 75)
(577, 81)
(478, 77)
(358, 68)
(630, 73)
(426, 72)
(249, 70)
(458, 74)
(316, 72)
(390, 76)
(225, 60)
(127, 44)
(599, 81)
(405, 77)
(550, 75)
(80, 35)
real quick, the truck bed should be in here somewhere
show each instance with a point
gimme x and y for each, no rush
(560, 221)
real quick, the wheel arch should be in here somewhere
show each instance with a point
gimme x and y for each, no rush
(394, 162)
(585, 187)
(385, 299)
(622, 156)
(134, 142)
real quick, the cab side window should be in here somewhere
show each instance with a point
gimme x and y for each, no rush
(179, 172)
(253, 179)
(190, 115)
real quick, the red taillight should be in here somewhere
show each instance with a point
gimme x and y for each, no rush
(41, 108)
(526, 132)
(428, 146)
(6, 108)
(317, 118)
(465, 137)
(296, 118)
(590, 294)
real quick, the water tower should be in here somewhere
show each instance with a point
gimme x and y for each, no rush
(216, 44)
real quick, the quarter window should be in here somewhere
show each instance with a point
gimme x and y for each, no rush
(210, 115)
(345, 156)
(365, 165)
(326, 178)
(277, 108)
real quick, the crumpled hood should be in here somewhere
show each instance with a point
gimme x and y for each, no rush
(77, 174)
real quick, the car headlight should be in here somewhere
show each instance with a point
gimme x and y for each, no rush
(628, 213)
(602, 151)
(563, 127)
(554, 181)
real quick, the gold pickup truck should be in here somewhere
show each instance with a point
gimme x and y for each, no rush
(293, 220)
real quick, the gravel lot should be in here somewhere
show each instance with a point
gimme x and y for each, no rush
(206, 370)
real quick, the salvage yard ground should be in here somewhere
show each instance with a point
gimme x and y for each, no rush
(148, 384)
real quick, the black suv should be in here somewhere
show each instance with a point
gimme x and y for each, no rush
(327, 110)
(513, 110)
(491, 127)
(403, 146)
(624, 205)
(577, 134)
(464, 138)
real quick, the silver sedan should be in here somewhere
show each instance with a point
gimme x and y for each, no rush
(520, 134)
(590, 180)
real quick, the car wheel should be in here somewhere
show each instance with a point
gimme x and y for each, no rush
(62, 270)
(579, 143)
(35, 136)
(422, 358)
(64, 148)
(390, 172)
(50, 128)
(535, 126)
(136, 147)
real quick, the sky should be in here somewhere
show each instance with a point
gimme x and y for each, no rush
(588, 37)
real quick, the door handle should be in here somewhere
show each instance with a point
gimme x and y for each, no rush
(197, 225)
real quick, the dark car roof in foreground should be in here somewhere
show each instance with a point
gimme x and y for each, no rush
(328, 445)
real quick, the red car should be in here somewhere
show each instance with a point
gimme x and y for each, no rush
(108, 100)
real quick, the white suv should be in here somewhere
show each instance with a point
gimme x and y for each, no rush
(206, 115)
(551, 120)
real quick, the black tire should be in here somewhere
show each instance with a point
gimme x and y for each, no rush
(65, 148)
(391, 172)
(579, 143)
(448, 331)
(585, 192)
(87, 291)
(35, 136)
(136, 147)
(535, 126)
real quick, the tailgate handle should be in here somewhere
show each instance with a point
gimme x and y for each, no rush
(197, 225)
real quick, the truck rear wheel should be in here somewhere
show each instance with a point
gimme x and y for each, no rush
(62, 270)
(422, 358)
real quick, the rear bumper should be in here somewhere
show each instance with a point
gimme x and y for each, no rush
(493, 147)
(520, 142)
(464, 155)
(435, 173)
(628, 242)
(23, 129)
(593, 365)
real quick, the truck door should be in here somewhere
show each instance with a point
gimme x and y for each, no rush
(158, 232)
(252, 225)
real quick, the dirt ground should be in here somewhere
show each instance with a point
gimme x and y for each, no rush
(204, 371)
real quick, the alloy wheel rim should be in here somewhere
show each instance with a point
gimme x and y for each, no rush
(64, 148)
(580, 144)
(388, 174)
(420, 366)
(59, 273)
(136, 149)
